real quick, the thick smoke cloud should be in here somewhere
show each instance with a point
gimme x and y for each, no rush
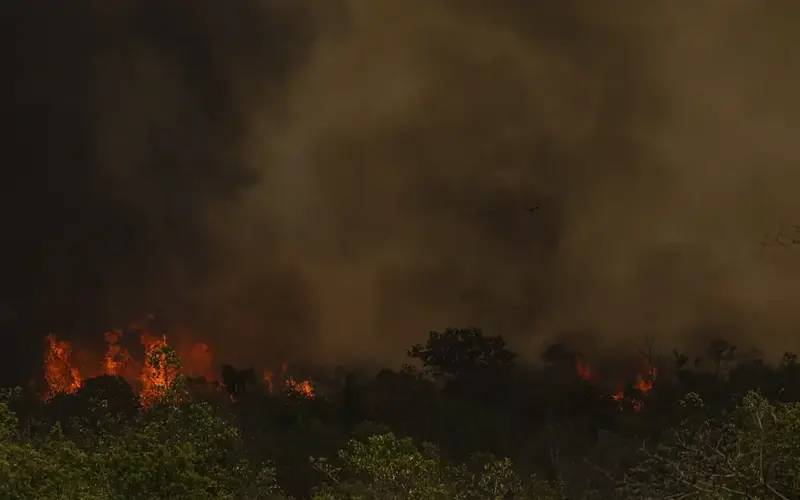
(125, 136)
(326, 184)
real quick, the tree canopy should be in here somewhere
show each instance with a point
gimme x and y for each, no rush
(458, 352)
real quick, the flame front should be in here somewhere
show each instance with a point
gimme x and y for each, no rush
(117, 358)
(60, 375)
(158, 373)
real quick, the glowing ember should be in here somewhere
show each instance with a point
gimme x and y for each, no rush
(618, 397)
(60, 375)
(116, 359)
(159, 370)
(302, 388)
(583, 370)
(644, 383)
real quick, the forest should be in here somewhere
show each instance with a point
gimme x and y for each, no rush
(276, 201)
(462, 420)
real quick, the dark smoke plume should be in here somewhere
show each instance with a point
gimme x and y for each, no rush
(328, 183)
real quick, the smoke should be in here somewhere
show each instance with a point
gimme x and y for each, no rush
(327, 184)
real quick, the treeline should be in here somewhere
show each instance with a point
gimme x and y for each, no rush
(467, 423)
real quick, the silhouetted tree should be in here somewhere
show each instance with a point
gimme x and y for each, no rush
(457, 352)
(680, 359)
(720, 352)
(102, 403)
(351, 401)
(559, 354)
(238, 382)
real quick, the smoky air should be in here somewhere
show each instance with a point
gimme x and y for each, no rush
(325, 184)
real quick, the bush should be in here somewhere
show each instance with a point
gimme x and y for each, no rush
(386, 467)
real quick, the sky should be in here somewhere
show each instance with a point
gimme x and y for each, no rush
(326, 182)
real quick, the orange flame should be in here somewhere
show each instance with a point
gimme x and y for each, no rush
(60, 375)
(158, 371)
(302, 388)
(644, 383)
(117, 358)
(157, 374)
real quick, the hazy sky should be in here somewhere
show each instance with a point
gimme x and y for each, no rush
(328, 181)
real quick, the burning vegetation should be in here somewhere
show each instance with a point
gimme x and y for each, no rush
(59, 373)
(641, 386)
(117, 359)
(644, 381)
(160, 366)
(570, 406)
(302, 387)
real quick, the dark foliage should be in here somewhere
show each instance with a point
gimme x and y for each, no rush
(500, 431)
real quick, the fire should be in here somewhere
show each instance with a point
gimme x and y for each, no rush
(302, 388)
(154, 375)
(269, 378)
(60, 375)
(272, 380)
(644, 383)
(117, 358)
(583, 370)
(159, 371)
